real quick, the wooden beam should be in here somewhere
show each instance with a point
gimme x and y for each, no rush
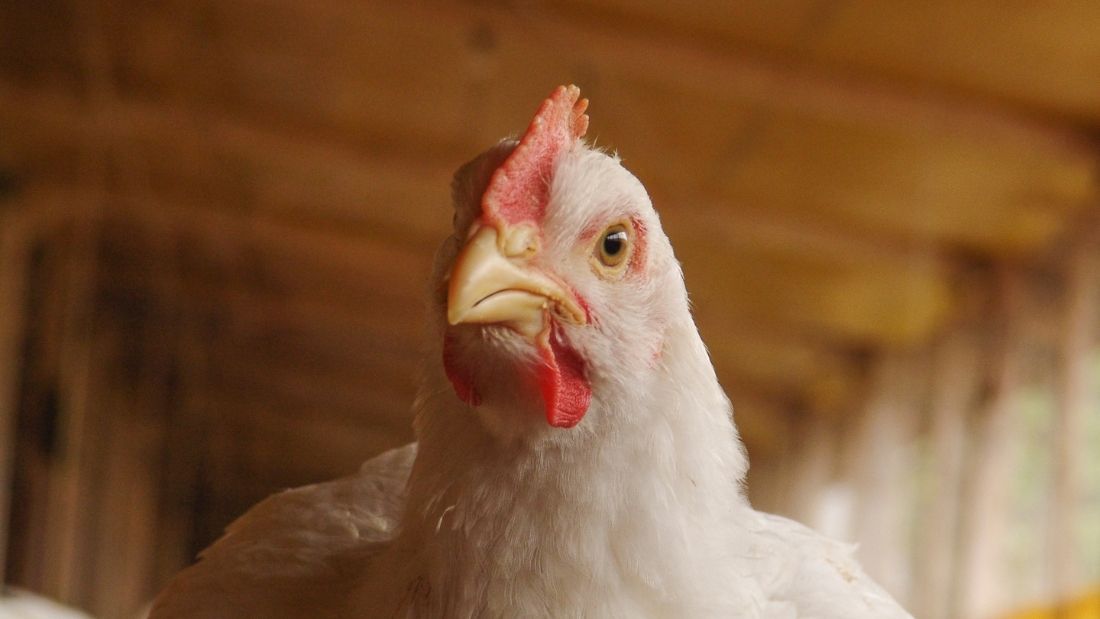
(878, 60)
(310, 161)
(805, 374)
(991, 453)
(342, 288)
(775, 284)
(954, 387)
(291, 175)
(1076, 350)
(815, 375)
(328, 248)
(13, 270)
(78, 423)
(280, 324)
(878, 301)
(879, 464)
(833, 282)
(538, 34)
(971, 148)
(278, 391)
(324, 447)
(343, 337)
(812, 456)
(351, 298)
(392, 196)
(180, 477)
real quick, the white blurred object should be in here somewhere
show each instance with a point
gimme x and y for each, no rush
(19, 604)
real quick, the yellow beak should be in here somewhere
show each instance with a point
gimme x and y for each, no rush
(492, 283)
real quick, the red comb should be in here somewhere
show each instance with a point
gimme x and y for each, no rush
(518, 189)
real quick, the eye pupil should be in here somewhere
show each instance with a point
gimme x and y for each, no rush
(614, 242)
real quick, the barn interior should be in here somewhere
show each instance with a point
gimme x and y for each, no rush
(217, 220)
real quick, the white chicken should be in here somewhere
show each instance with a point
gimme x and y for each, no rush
(576, 455)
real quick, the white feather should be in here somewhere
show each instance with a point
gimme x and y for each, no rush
(636, 512)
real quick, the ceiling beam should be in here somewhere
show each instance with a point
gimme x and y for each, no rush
(782, 84)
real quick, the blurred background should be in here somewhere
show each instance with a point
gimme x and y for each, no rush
(217, 219)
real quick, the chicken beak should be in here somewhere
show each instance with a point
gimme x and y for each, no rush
(493, 282)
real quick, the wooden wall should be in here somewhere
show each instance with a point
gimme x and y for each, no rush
(216, 222)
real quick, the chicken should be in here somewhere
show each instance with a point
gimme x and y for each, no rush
(576, 455)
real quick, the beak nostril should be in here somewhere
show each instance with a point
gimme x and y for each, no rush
(488, 286)
(520, 241)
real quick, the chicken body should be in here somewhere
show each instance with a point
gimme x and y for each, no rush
(576, 455)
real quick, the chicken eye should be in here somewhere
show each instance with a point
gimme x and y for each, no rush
(614, 246)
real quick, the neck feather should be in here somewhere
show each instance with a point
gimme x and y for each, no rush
(633, 505)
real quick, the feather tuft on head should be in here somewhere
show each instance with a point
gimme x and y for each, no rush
(518, 189)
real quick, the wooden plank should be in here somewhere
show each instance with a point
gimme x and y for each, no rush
(323, 255)
(879, 463)
(809, 374)
(812, 457)
(389, 323)
(331, 40)
(185, 405)
(765, 423)
(991, 453)
(845, 164)
(834, 302)
(313, 307)
(954, 388)
(54, 378)
(13, 268)
(1075, 349)
(741, 26)
(337, 333)
(891, 302)
(72, 472)
(244, 65)
(781, 361)
(903, 184)
(312, 331)
(762, 417)
(303, 439)
(841, 297)
(353, 380)
(996, 52)
(1002, 53)
(863, 168)
(359, 405)
(288, 172)
(819, 281)
(126, 537)
(776, 363)
(855, 296)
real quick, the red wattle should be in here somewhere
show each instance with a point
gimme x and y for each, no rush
(566, 393)
(565, 390)
(461, 381)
